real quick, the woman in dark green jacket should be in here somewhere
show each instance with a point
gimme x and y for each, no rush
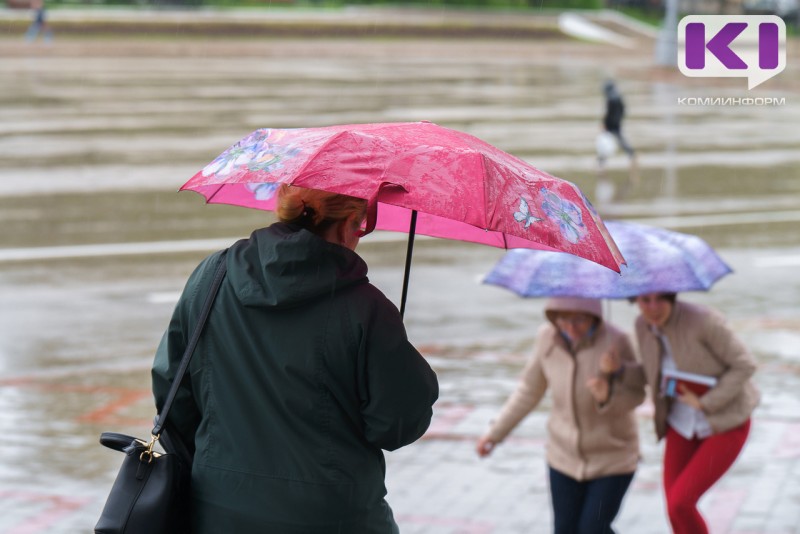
(303, 374)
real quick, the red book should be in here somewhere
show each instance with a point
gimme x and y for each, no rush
(671, 380)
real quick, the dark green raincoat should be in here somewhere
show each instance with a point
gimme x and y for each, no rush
(303, 374)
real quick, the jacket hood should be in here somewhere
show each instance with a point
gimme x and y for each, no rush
(593, 307)
(610, 89)
(283, 266)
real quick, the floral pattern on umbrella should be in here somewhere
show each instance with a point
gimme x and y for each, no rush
(263, 192)
(260, 151)
(567, 214)
(524, 214)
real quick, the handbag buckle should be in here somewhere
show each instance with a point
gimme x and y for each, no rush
(147, 454)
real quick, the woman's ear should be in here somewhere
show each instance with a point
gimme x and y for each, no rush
(348, 231)
(341, 231)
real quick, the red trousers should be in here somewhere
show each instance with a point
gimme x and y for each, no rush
(691, 467)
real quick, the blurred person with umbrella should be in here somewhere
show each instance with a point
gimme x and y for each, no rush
(700, 376)
(303, 374)
(593, 444)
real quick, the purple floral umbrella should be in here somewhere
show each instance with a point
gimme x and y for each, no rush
(658, 260)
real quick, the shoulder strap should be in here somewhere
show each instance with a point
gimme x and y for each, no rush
(187, 354)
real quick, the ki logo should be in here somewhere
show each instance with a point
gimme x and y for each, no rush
(745, 46)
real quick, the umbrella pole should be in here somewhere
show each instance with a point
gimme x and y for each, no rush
(412, 228)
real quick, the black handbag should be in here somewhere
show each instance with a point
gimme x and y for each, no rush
(151, 492)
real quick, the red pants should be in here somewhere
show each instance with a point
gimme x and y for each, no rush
(691, 467)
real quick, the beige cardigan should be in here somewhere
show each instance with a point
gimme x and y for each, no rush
(703, 343)
(585, 440)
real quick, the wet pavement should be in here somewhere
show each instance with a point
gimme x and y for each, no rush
(95, 246)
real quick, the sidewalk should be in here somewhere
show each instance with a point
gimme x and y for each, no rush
(436, 486)
(442, 487)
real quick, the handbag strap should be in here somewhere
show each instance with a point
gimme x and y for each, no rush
(187, 354)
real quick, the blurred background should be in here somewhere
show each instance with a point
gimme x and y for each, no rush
(110, 107)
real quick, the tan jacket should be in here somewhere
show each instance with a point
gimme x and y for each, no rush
(585, 440)
(703, 343)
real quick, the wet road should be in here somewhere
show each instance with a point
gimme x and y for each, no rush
(98, 135)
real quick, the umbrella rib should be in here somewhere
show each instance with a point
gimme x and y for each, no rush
(212, 195)
(485, 226)
(316, 153)
(485, 196)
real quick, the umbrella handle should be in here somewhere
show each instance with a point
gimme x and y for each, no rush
(412, 228)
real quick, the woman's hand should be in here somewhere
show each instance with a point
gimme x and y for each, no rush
(485, 446)
(610, 363)
(599, 388)
(687, 396)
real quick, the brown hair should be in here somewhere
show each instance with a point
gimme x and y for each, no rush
(317, 210)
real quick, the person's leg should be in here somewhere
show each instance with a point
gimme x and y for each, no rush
(566, 495)
(713, 456)
(677, 454)
(32, 31)
(44, 27)
(602, 503)
(623, 143)
(633, 174)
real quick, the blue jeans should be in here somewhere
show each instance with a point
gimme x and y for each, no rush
(587, 507)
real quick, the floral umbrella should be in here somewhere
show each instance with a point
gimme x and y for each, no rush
(418, 177)
(658, 260)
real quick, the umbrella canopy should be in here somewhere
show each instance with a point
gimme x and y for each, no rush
(658, 260)
(417, 177)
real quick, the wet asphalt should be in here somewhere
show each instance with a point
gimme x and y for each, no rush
(95, 245)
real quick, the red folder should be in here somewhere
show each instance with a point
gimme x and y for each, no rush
(671, 380)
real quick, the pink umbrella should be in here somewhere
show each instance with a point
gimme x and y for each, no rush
(417, 177)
